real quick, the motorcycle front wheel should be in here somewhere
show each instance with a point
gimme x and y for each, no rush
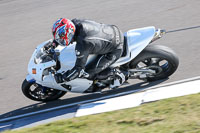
(161, 59)
(37, 92)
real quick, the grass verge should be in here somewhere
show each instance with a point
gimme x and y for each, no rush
(174, 115)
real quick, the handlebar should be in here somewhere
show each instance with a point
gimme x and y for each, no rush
(49, 49)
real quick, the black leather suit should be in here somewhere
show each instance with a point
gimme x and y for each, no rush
(95, 38)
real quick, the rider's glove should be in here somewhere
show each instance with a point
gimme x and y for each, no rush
(50, 45)
(72, 74)
(59, 78)
(69, 75)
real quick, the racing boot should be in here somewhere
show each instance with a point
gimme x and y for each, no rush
(118, 80)
(126, 73)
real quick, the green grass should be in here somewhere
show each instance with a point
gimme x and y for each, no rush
(175, 115)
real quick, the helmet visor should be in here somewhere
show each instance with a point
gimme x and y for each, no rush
(60, 37)
(61, 41)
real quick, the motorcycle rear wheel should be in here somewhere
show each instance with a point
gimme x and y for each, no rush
(161, 59)
(36, 92)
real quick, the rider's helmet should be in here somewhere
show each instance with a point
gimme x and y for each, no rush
(63, 31)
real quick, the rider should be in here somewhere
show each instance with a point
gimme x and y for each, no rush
(91, 37)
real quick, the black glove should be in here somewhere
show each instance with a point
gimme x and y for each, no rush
(59, 78)
(50, 46)
(68, 76)
(72, 74)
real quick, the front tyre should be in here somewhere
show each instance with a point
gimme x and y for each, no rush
(161, 59)
(36, 92)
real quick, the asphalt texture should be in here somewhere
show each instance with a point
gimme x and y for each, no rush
(26, 23)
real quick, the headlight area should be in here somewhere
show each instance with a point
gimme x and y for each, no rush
(43, 59)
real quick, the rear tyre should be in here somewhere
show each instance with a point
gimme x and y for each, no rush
(159, 58)
(36, 92)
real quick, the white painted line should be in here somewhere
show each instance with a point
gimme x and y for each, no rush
(158, 86)
(92, 100)
(5, 126)
(112, 104)
(133, 100)
(177, 90)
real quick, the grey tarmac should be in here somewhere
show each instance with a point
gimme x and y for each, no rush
(26, 23)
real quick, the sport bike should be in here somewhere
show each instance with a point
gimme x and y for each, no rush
(141, 60)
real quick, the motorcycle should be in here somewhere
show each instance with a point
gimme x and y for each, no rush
(141, 60)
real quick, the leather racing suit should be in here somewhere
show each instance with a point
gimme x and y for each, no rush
(104, 40)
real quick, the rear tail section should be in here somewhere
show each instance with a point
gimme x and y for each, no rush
(135, 41)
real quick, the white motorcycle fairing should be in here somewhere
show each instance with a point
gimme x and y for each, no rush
(67, 59)
(137, 40)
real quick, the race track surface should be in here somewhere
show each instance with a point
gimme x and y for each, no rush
(26, 23)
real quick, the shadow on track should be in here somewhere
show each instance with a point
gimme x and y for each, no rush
(41, 106)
